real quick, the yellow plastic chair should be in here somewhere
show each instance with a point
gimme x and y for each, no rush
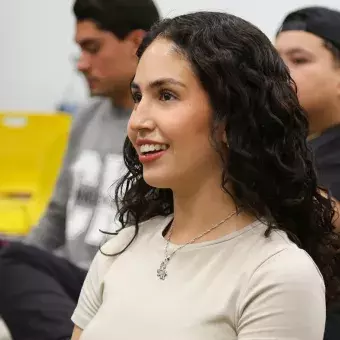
(31, 151)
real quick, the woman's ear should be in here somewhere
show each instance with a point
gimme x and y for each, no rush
(224, 138)
(221, 133)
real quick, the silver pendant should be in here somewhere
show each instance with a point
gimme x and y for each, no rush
(162, 272)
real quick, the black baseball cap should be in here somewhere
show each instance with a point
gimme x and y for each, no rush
(320, 21)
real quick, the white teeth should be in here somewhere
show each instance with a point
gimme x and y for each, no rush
(152, 147)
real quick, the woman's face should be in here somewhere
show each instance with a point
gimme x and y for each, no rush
(170, 126)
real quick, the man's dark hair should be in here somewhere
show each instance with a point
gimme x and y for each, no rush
(320, 21)
(118, 16)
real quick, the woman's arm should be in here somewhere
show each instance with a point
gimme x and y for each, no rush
(76, 333)
(90, 298)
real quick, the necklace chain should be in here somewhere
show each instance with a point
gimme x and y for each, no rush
(162, 271)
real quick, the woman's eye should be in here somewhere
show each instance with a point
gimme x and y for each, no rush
(137, 97)
(166, 96)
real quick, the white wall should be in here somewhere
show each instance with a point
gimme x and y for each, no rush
(266, 14)
(37, 42)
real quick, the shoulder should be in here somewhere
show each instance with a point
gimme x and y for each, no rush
(84, 116)
(89, 108)
(278, 255)
(282, 293)
(326, 140)
(94, 103)
(276, 260)
(290, 264)
(281, 267)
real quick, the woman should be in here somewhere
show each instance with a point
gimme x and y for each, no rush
(219, 207)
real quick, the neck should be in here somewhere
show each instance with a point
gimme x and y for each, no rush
(325, 120)
(122, 100)
(198, 211)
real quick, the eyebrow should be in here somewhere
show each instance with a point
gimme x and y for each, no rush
(159, 83)
(297, 50)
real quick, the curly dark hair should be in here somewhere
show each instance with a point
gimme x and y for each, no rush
(268, 165)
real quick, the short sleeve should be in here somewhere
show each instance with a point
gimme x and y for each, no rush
(284, 300)
(91, 296)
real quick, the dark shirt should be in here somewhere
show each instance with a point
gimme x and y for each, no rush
(326, 149)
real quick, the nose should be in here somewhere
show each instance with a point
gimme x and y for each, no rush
(141, 119)
(83, 63)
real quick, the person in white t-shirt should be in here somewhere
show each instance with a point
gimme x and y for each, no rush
(225, 234)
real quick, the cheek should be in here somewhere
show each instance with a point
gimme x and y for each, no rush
(310, 76)
(191, 132)
(106, 61)
(314, 89)
(306, 81)
(313, 84)
(100, 66)
(189, 120)
(131, 133)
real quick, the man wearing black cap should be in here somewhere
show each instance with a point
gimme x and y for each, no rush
(309, 43)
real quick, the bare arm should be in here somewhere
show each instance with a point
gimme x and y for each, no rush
(76, 333)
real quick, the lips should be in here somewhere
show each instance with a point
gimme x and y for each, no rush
(91, 82)
(151, 148)
(150, 157)
(151, 152)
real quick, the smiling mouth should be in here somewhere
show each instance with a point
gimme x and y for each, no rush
(148, 149)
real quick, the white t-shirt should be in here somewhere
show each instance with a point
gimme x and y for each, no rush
(242, 286)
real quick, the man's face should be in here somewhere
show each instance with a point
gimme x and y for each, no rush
(314, 71)
(107, 62)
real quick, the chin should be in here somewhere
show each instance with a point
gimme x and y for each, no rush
(160, 181)
(97, 93)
